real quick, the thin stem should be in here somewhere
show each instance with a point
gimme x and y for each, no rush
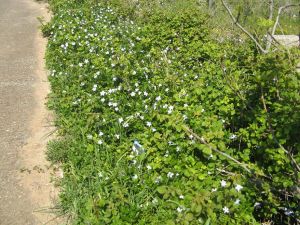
(202, 140)
(242, 28)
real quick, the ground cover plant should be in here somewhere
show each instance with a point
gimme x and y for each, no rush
(160, 124)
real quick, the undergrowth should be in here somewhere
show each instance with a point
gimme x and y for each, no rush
(160, 124)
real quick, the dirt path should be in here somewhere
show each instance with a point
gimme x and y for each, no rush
(25, 197)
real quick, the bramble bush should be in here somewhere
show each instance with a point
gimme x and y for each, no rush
(160, 124)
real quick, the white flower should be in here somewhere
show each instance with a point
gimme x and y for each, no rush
(100, 142)
(134, 177)
(134, 72)
(256, 204)
(237, 202)
(179, 209)
(80, 64)
(102, 100)
(153, 129)
(100, 133)
(214, 190)
(238, 187)
(154, 201)
(149, 124)
(100, 174)
(148, 167)
(89, 136)
(95, 87)
(158, 179)
(225, 210)
(117, 136)
(185, 105)
(170, 175)
(223, 183)
(232, 137)
(102, 93)
(132, 94)
(121, 120)
(125, 124)
(158, 98)
(145, 93)
(86, 61)
(181, 196)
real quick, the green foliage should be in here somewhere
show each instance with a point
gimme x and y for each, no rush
(124, 93)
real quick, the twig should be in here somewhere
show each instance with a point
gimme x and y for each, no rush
(242, 28)
(277, 20)
(269, 36)
(202, 140)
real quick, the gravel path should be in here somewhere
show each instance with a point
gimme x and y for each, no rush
(24, 197)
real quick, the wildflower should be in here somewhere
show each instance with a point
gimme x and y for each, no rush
(120, 120)
(223, 183)
(288, 212)
(89, 136)
(149, 124)
(238, 187)
(126, 125)
(158, 179)
(257, 204)
(102, 93)
(232, 137)
(237, 202)
(158, 98)
(101, 133)
(214, 190)
(179, 209)
(80, 64)
(145, 93)
(95, 87)
(134, 177)
(170, 175)
(102, 100)
(225, 210)
(154, 201)
(117, 136)
(134, 72)
(181, 196)
(100, 174)
(153, 129)
(100, 142)
(148, 167)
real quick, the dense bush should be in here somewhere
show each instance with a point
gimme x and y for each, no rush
(161, 124)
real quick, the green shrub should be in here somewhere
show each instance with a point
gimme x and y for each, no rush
(148, 106)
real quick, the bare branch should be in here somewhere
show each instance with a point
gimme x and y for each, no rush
(269, 36)
(242, 28)
(277, 21)
(202, 141)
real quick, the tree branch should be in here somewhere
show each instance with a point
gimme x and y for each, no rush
(242, 28)
(202, 141)
(277, 20)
